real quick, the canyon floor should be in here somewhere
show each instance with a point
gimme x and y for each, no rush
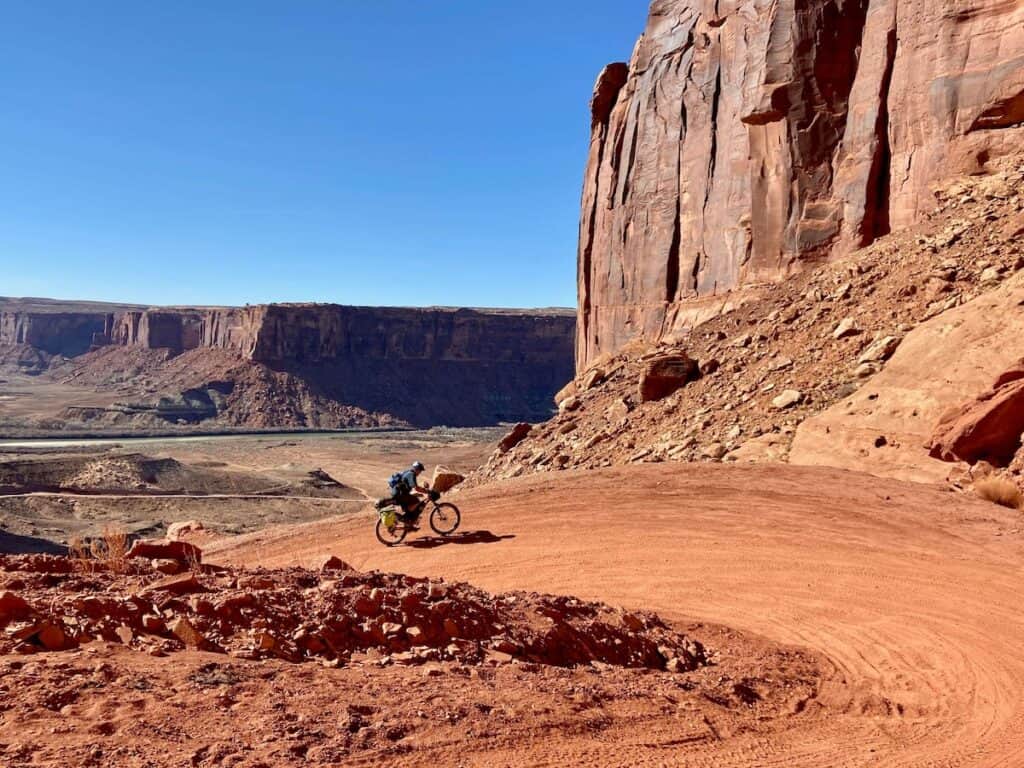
(851, 621)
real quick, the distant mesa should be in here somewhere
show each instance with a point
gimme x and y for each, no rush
(295, 365)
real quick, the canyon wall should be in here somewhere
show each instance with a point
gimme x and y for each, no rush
(460, 367)
(747, 138)
(58, 333)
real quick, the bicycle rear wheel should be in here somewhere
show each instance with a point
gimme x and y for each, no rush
(390, 536)
(445, 518)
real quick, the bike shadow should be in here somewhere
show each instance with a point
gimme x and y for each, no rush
(465, 537)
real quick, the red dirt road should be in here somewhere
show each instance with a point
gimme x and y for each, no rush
(913, 594)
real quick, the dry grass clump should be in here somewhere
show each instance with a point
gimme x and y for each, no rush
(999, 490)
(107, 552)
(81, 555)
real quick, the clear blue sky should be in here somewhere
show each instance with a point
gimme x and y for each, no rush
(364, 152)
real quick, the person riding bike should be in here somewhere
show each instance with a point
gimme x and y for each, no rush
(404, 489)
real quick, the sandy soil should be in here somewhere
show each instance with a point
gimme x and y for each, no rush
(912, 594)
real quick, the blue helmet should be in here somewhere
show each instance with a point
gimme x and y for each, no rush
(417, 467)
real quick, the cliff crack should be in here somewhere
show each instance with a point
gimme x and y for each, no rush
(876, 221)
(712, 163)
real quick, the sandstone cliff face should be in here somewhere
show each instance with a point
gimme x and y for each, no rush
(185, 329)
(58, 333)
(747, 137)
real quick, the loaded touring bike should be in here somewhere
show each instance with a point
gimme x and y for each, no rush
(393, 525)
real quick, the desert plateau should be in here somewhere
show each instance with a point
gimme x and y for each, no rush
(756, 501)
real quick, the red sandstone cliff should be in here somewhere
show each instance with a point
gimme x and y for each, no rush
(745, 138)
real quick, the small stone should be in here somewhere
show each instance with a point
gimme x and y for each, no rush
(176, 531)
(714, 451)
(880, 350)
(514, 437)
(847, 327)
(866, 370)
(788, 399)
(592, 378)
(334, 563)
(569, 405)
(182, 629)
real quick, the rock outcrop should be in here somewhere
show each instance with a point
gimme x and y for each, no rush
(987, 428)
(745, 139)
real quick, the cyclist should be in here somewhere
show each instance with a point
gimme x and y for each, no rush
(404, 489)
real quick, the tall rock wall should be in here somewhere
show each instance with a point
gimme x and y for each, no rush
(746, 138)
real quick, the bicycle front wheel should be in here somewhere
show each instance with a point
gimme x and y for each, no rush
(445, 518)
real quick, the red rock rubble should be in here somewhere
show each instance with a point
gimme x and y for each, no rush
(48, 603)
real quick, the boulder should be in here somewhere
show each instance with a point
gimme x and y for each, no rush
(569, 405)
(514, 437)
(988, 428)
(708, 367)
(12, 607)
(163, 549)
(592, 378)
(714, 451)
(665, 374)
(445, 479)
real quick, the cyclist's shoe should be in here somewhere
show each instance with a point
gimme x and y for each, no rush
(411, 521)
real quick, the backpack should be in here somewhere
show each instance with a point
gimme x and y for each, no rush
(398, 485)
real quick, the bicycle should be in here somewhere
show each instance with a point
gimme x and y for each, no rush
(392, 528)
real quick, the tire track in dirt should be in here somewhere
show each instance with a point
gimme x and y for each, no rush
(911, 593)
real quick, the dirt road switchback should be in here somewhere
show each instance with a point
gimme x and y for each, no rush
(912, 594)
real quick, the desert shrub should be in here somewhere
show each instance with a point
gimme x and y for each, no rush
(999, 490)
(106, 552)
